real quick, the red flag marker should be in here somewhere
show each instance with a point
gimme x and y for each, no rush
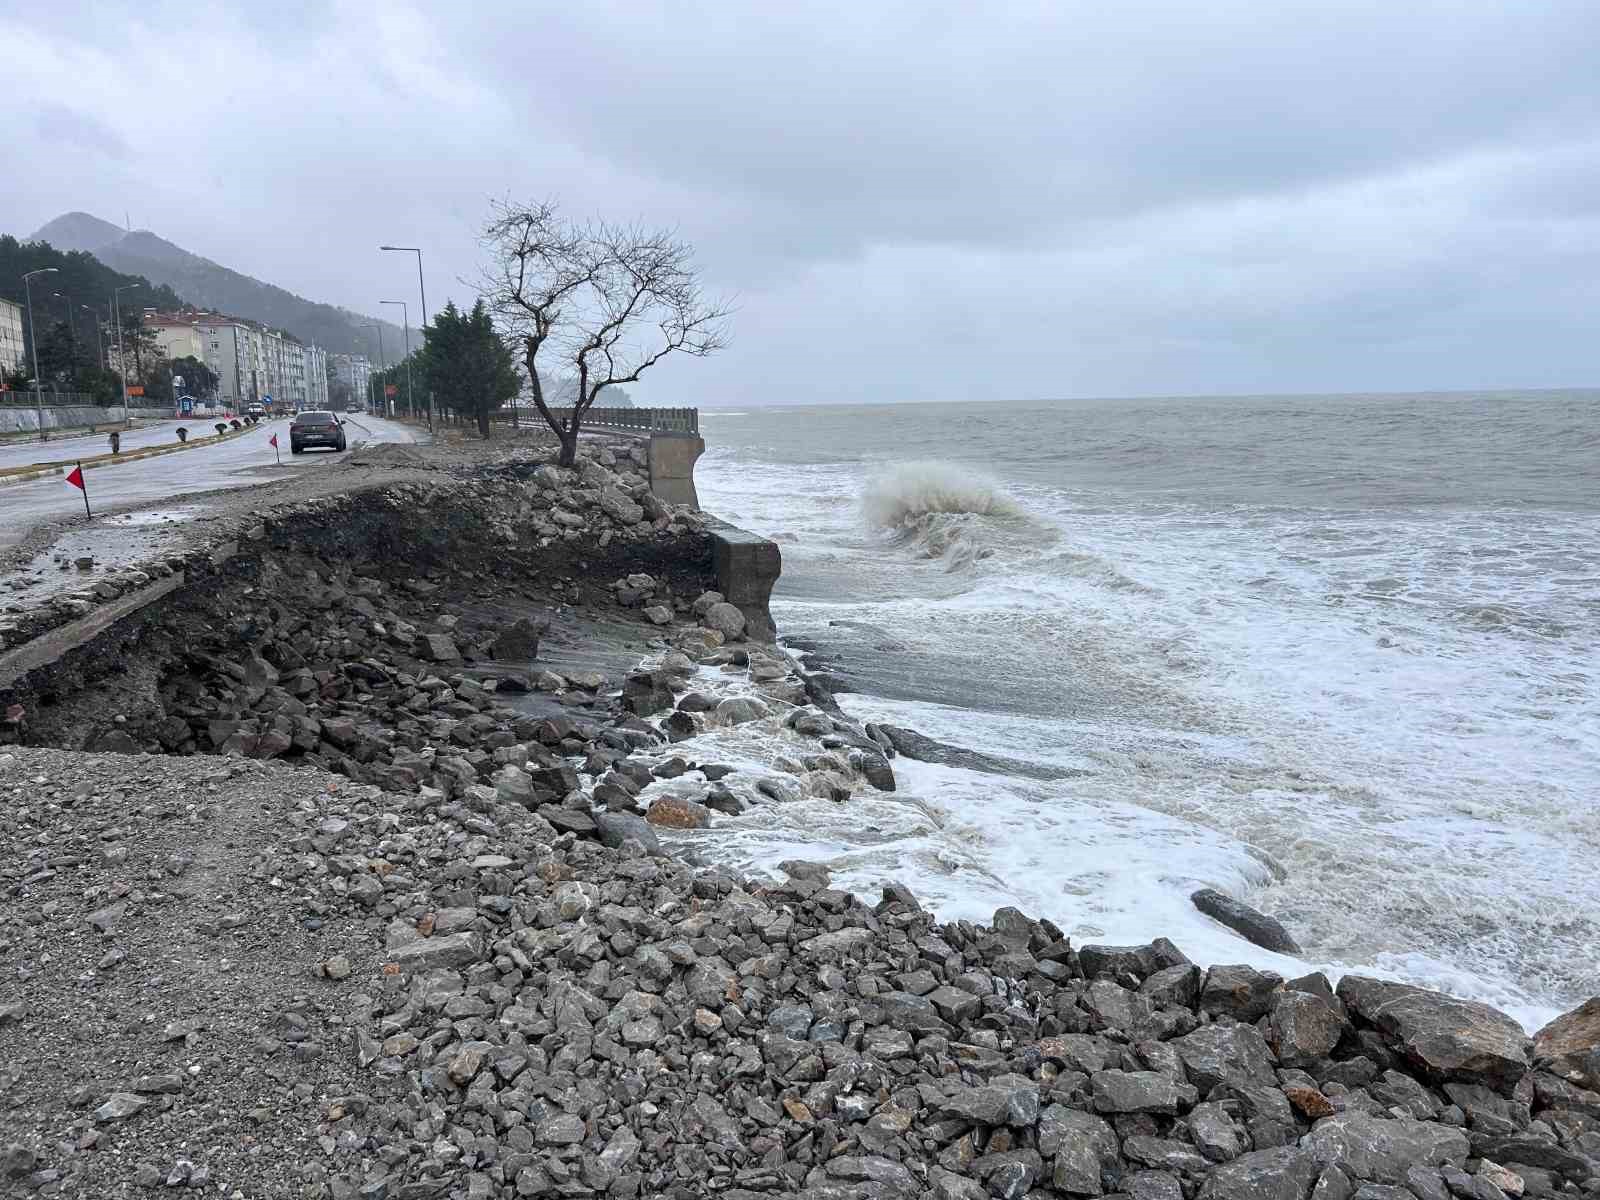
(76, 480)
(274, 441)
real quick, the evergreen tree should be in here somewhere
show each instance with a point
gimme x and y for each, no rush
(470, 369)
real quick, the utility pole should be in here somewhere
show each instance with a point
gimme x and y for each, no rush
(411, 398)
(424, 293)
(38, 390)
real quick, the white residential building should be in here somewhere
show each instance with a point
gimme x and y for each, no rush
(355, 372)
(316, 377)
(13, 350)
(252, 363)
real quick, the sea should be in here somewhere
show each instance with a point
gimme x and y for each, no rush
(1336, 656)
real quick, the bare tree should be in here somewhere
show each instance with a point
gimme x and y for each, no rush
(602, 302)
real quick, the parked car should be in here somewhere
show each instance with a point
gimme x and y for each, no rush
(315, 427)
(256, 410)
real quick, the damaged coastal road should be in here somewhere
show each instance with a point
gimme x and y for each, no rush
(383, 920)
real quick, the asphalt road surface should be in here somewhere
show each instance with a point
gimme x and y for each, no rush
(240, 462)
(83, 445)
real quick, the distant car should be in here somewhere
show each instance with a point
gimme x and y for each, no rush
(315, 427)
(256, 410)
(353, 408)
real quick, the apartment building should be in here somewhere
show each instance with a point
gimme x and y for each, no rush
(355, 372)
(316, 377)
(252, 362)
(13, 350)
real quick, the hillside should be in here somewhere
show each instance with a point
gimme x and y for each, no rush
(210, 285)
(79, 275)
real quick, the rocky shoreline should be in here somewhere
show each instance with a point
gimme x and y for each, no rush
(397, 905)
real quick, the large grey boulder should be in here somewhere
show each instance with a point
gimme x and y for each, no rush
(1005, 1100)
(1570, 1046)
(619, 508)
(454, 950)
(1238, 991)
(1445, 1036)
(914, 1014)
(1084, 1147)
(1225, 1052)
(519, 641)
(1249, 923)
(437, 647)
(725, 619)
(618, 827)
(647, 692)
(740, 710)
(1382, 1150)
(1302, 1027)
(1141, 1092)
(1283, 1173)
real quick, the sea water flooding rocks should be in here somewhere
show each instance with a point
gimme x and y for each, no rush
(396, 937)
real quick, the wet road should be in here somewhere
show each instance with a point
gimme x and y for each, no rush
(237, 463)
(154, 433)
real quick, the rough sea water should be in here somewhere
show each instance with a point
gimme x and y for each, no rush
(1336, 656)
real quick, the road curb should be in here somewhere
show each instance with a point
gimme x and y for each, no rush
(30, 476)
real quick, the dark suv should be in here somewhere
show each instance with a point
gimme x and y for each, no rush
(315, 427)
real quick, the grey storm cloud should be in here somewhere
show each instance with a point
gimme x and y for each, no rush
(908, 201)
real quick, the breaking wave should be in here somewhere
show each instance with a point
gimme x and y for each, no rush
(941, 511)
(912, 490)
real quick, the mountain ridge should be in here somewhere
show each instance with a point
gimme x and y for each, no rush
(210, 285)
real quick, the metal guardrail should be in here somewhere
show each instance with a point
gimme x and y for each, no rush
(641, 420)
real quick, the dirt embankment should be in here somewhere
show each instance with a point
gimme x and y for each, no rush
(317, 611)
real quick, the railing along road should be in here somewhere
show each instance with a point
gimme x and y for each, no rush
(643, 420)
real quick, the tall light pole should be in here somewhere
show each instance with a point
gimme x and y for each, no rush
(122, 361)
(405, 313)
(38, 392)
(99, 332)
(423, 291)
(382, 362)
(72, 332)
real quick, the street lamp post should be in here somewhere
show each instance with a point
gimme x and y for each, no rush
(38, 392)
(122, 361)
(411, 398)
(72, 333)
(382, 361)
(99, 333)
(423, 291)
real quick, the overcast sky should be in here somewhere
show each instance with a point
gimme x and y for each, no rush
(907, 201)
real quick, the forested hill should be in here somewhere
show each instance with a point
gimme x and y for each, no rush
(212, 286)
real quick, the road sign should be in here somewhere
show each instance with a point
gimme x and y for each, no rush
(390, 389)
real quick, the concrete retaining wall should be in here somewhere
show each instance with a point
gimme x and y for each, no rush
(747, 567)
(19, 419)
(672, 459)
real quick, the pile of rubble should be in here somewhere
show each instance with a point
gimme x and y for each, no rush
(475, 1004)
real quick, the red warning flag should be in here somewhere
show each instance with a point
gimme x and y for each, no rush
(76, 478)
(273, 441)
